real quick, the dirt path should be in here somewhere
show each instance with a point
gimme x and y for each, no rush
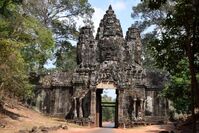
(22, 118)
(143, 129)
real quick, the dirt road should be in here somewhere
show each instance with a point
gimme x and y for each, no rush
(143, 129)
(26, 119)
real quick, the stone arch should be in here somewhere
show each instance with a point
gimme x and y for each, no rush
(100, 86)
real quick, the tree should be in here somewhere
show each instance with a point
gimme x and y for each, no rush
(48, 11)
(179, 39)
(107, 112)
(41, 46)
(149, 23)
(178, 89)
(66, 57)
(177, 29)
(4, 5)
(17, 33)
(61, 17)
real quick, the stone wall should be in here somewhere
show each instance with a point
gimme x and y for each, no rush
(107, 58)
(56, 101)
(155, 105)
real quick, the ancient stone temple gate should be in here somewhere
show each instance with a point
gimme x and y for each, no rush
(107, 61)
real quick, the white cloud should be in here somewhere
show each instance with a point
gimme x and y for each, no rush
(119, 5)
(99, 12)
(97, 16)
(79, 21)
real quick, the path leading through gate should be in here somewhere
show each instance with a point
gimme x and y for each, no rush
(143, 129)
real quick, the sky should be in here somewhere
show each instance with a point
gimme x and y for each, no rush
(123, 10)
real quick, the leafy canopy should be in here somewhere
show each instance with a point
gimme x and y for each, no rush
(17, 33)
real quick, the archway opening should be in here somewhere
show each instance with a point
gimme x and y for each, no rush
(106, 105)
(108, 108)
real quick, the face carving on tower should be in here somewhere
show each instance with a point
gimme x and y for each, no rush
(110, 38)
(109, 29)
(107, 53)
(109, 50)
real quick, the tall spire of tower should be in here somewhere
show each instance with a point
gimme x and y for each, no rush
(109, 25)
(110, 7)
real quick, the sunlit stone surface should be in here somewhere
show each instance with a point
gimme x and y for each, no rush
(108, 60)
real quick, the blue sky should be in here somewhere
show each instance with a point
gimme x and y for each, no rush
(122, 8)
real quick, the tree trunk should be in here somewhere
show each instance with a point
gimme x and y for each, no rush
(195, 43)
(190, 54)
(193, 84)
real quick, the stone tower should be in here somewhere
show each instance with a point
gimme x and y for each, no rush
(107, 61)
(111, 60)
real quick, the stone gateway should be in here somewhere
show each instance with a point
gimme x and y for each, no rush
(107, 61)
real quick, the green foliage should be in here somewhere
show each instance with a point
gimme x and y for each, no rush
(177, 41)
(29, 31)
(40, 47)
(26, 43)
(13, 74)
(172, 45)
(154, 4)
(147, 17)
(66, 57)
(13, 70)
(19, 32)
(175, 37)
(163, 52)
(61, 17)
(108, 113)
(178, 90)
(149, 22)
(149, 61)
(50, 10)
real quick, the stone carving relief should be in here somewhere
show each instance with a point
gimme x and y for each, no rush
(109, 58)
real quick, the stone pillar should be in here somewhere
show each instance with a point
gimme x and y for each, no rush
(75, 107)
(80, 108)
(144, 104)
(120, 107)
(98, 107)
(141, 107)
(141, 104)
(134, 107)
(56, 105)
(166, 107)
(100, 110)
(116, 110)
(93, 106)
(153, 103)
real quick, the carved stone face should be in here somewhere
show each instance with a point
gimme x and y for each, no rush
(110, 20)
(109, 29)
(86, 33)
(132, 35)
(108, 51)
